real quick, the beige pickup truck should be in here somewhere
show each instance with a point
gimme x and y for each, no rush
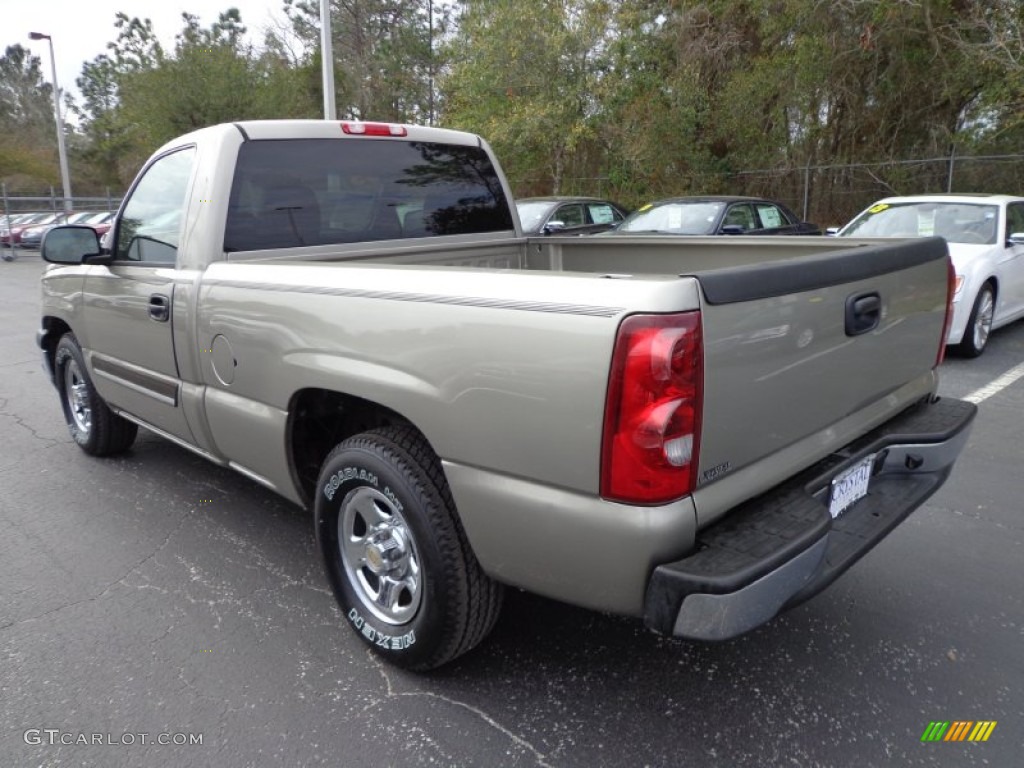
(698, 432)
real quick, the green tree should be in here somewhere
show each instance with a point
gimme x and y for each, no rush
(138, 96)
(383, 54)
(114, 143)
(525, 74)
(27, 139)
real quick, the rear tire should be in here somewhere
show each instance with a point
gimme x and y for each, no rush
(395, 553)
(97, 430)
(979, 324)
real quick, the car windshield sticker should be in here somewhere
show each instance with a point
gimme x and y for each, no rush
(878, 208)
(646, 207)
(602, 214)
(675, 217)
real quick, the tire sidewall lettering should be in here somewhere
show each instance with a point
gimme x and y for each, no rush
(347, 474)
(393, 499)
(381, 639)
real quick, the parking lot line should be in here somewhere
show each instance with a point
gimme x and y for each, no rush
(997, 385)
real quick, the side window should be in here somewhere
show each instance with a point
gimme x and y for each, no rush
(150, 226)
(771, 217)
(742, 215)
(570, 215)
(1014, 219)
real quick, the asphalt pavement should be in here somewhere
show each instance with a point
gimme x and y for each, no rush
(156, 597)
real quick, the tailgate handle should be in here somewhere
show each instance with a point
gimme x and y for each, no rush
(863, 313)
(159, 307)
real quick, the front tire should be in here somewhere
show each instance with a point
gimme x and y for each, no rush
(97, 430)
(395, 553)
(979, 324)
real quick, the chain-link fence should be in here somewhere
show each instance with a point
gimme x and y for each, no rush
(13, 204)
(831, 195)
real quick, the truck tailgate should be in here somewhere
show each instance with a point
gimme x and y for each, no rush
(801, 355)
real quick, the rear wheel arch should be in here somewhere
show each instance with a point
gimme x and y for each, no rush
(319, 419)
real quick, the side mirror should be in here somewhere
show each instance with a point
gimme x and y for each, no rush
(832, 231)
(70, 244)
(553, 226)
(732, 229)
(1015, 238)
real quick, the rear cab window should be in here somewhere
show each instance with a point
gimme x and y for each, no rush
(303, 192)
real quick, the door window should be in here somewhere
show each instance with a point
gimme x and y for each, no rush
(603, 213)
(743, 215)
(771, 216)
(150, 226)
(1014, 219)
(570, 215)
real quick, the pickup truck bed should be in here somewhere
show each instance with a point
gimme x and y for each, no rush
(699, 432)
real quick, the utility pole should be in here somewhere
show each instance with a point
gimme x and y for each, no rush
(327, 56)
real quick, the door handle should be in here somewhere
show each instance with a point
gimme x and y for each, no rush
(159, 307)
(863, 313)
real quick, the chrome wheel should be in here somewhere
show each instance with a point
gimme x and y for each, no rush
(379, 556)
(76, 392)
(983, 319)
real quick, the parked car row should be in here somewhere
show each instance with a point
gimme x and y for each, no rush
(27, 229)
(11, 230)
(704, 215)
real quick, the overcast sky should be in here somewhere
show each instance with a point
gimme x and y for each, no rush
(81, 29)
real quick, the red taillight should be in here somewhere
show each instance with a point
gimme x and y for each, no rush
(373, 129)
(950, 293)
(653, 410)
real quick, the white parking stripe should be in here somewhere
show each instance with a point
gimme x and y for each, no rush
(996, 386)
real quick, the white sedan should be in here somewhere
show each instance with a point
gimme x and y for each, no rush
(985, 234)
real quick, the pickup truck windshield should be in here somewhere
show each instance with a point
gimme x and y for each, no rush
(304, 192)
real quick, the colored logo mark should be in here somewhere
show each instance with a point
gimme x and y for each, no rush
(959, 730)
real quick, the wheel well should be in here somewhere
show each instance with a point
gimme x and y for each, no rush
(319, 419)
(53, 328)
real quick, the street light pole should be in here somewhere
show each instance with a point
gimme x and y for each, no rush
(327, 61)
(61, 151)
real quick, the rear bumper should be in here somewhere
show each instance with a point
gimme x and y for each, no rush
(775, 551)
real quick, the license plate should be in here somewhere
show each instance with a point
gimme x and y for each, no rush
(850, 486)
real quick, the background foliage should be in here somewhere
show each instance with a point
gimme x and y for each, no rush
(632, 99)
